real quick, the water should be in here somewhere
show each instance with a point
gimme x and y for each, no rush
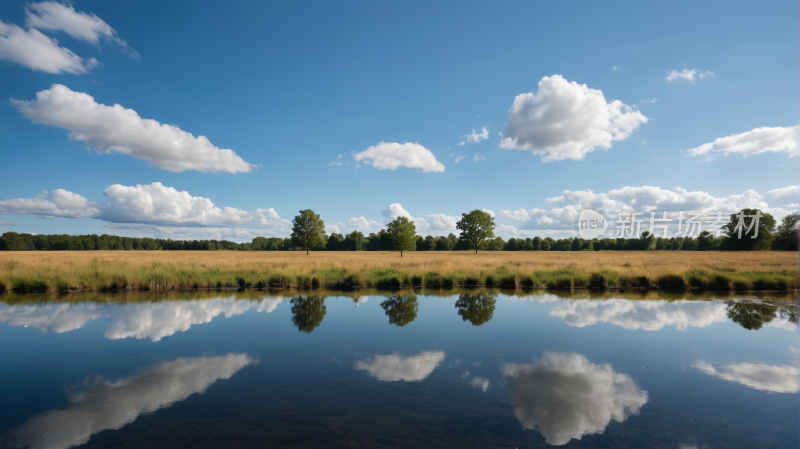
(469, 368)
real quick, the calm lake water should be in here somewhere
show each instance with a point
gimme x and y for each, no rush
(475, 368)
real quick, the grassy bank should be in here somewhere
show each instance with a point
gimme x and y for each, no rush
(162, 271)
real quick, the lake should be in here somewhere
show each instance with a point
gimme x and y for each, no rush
(458, 368)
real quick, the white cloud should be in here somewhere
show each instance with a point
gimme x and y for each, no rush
(336, 162)
(567, 120)
(443, 222)
(393, 155)
(55, 16)
(458, 159)
(136, 320)
(361, 224)
(6, 222)
(757, 141)
(32, 49)
(616, 68)
(114, 129)
(566, 397)
(646, 315)
(488, 212)
(150, 204)
(480, 383)
(475, 137)
(789, 194)
(478, 157)
(396, 210)
(395, 367)
(772, 378)
(688, 75)
(650, 100)
(112, 405)
(642, 198)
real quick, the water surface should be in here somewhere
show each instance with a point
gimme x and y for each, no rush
(460, 368)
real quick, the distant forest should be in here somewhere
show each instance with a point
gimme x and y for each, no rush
(381, 241)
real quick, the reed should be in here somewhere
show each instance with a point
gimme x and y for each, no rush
(192, 270)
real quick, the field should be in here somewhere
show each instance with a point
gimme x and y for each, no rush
(60, 271)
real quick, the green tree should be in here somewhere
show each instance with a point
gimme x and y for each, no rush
(401, 310)
(335, 242)
(354, 241)
(477, 308)
(308, 312)
(647, 241)
(476, 227)
(403, 234)
(750, 315)
(787, 234)
(308, 230)
(760, 225)
(704, 241)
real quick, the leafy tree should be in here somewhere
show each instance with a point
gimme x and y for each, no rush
(476, 227)
(787, 235)
(536, 243)
(452, 241)
(335, 242)
(401, 310)
(308, 312)
(308, 230)
(704, 241)
(750, 315)
(738, 239)
(403, 234)
(477, 308)
(354, 241)
(647, 242)
(386, 240)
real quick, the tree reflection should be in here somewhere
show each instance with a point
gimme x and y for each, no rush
(308, 312)
(750, 315)
(401, 310)
(790, 310)
(478, 308)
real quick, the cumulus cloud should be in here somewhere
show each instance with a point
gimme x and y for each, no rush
(460, 158)
(489, 212)
(565, 396)
(642, 198)
(32, 49)
(6, 222)
(478, 157)
(393, 155)
(443, 222)
(474, 137)
(55, 16)
(154, 204)
(758, 141)
(479, 383)
(112, 405)
(688, 75)
(784, 195)
(439, 222)
(360, 224)
(336, 162)
(567, 120)
(153, 321)
(395, 367)
(771, 378)
(115, 129)
(646, 315)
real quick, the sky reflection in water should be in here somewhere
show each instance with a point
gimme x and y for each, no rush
(454, 366)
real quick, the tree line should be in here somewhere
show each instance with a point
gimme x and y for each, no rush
(477, 233)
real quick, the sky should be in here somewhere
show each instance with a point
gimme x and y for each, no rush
(198, 120)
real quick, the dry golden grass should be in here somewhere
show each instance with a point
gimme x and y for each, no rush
(91, 270)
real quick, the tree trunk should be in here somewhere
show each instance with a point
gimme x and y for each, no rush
(401, 253)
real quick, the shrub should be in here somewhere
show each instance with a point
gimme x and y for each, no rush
(471, 281)
(315, 282)
(598, 281)
(643, 282)
(741, 285)
(720, 282)
(433, 280)
(508, 282)
(416, 280)
(672, 282)
(526, 282)
(490, 281)
(447, 282)
(565, 284)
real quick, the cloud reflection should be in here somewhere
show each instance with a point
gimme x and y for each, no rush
(565, 396)
(153, 320)
(648, 315)
(112, 405)
(395, 367)
(772, 378)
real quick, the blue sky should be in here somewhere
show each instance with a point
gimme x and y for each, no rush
(291, 86)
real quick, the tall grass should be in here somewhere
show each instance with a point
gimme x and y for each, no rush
(163, 271)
